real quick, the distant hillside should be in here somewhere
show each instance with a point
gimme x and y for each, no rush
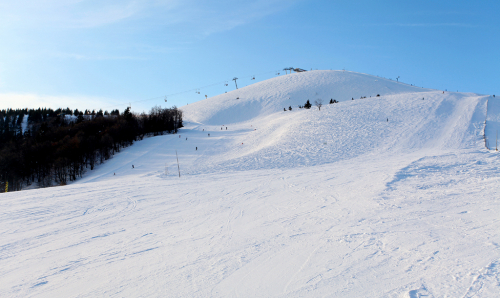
(273, 95)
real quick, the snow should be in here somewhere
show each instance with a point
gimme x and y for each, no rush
(492, 122)
(270, 96)
(303, 203)
(24, 124)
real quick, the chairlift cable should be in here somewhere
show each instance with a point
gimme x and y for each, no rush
(187, 91)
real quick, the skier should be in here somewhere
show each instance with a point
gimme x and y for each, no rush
(208, 134)
(387, 119)
(493, 96)
(132, 166)
(196, 148)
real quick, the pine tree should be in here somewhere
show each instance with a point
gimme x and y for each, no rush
(307, 105)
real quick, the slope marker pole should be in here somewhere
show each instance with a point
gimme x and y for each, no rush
(178, 167)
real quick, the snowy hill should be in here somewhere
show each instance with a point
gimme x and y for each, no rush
(390, 196)
(270, 96)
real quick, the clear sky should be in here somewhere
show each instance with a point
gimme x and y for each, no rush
(106, 53)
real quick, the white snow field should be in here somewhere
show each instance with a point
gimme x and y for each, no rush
(390, 196)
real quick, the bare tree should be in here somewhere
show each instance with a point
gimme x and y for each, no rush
(318, 103)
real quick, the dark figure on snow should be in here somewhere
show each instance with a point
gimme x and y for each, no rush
(493, 96)
(208, 134)
(132, 166)
(387, 119)
(196, 148)
(186, 139)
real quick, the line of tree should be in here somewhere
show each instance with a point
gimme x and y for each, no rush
(53, 146)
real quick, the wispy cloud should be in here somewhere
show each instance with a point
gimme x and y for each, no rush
(226, 16)
(30, 100)
(428, 25)
(66, 14)
(209, 17)
(96, 57)
(67, 29)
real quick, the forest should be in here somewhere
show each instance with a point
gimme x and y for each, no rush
(45, 147)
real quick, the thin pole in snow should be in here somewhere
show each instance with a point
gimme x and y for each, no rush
(178, 168)
(234, 79)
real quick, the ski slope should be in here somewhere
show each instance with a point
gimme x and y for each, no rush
(390, 196)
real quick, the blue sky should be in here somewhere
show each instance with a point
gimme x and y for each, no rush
(108, 53)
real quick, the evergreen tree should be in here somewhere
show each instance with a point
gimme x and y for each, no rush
(307, 105)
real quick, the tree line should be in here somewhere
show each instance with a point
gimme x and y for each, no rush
(52, 147)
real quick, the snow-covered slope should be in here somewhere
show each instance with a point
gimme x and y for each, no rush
(270, 96)
(391, 196)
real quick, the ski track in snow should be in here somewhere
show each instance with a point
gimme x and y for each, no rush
(303, 203)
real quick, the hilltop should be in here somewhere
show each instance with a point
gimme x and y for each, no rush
(270, 96)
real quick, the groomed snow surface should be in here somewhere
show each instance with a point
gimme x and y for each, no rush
(390, 196)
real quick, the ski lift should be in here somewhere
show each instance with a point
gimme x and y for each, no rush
(165, 99)
(277, 73)
(225, 84)
(253, 77)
